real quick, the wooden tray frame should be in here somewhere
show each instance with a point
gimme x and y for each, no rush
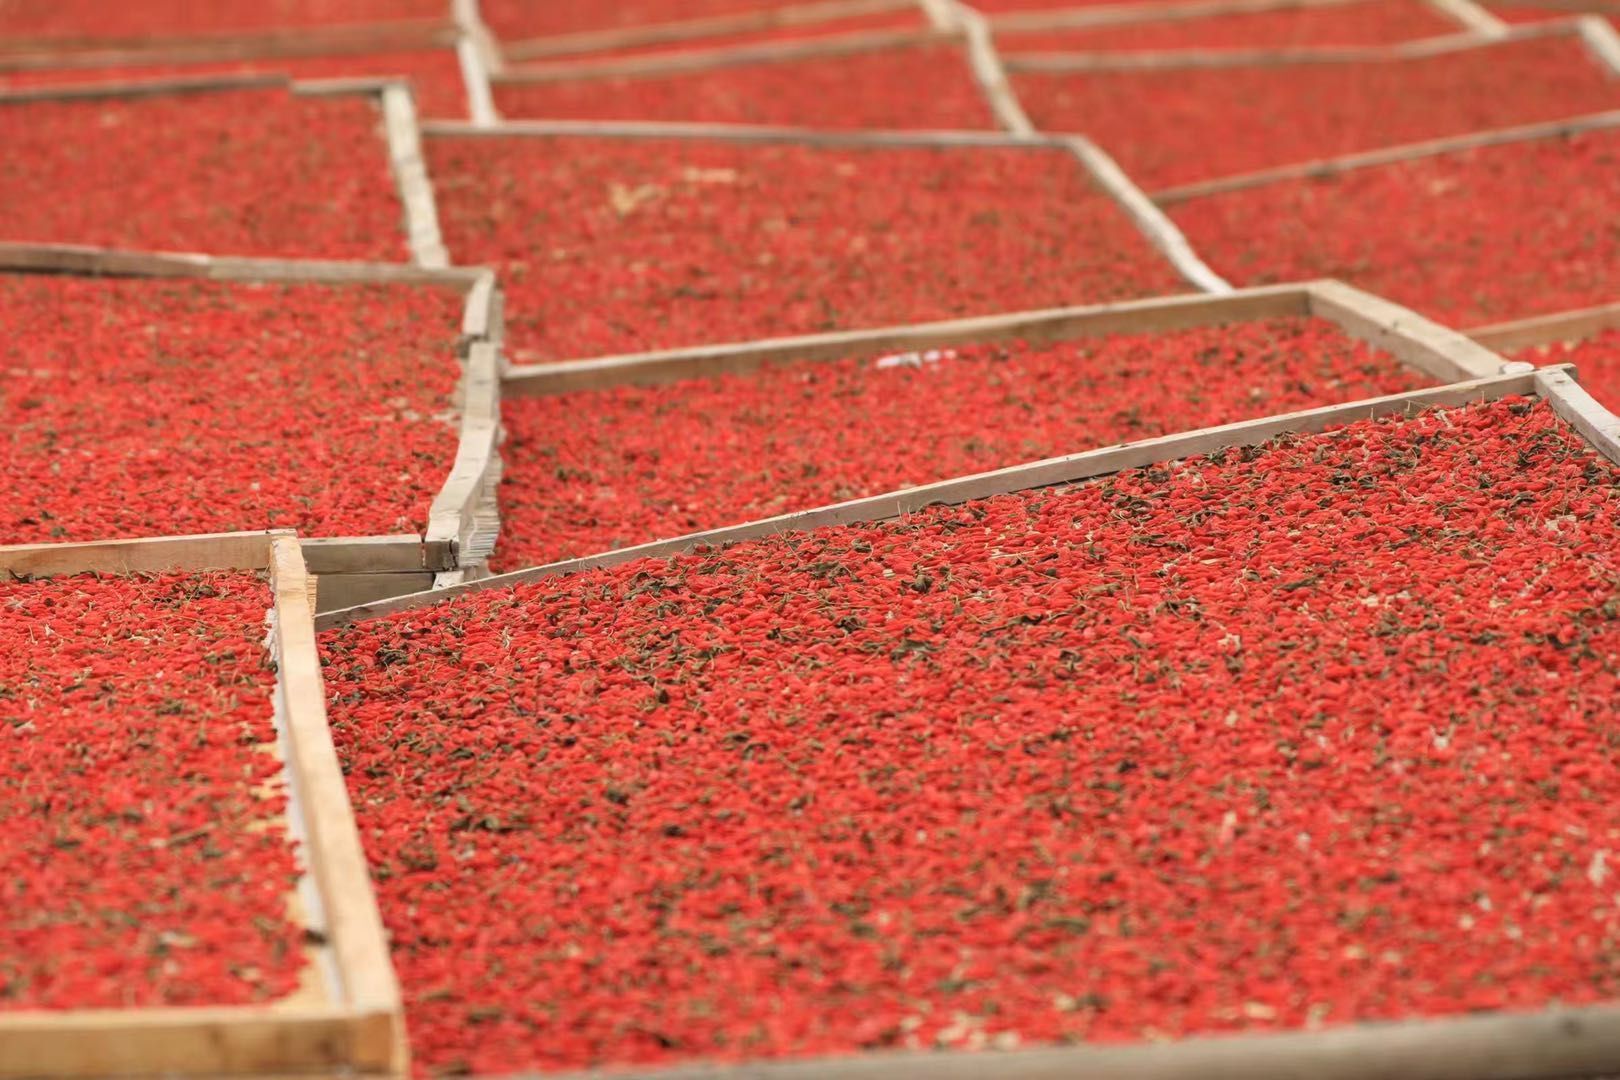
(461, 521)
(361, 1027)
(1417, 342)
(395, 102)
(1161, 233)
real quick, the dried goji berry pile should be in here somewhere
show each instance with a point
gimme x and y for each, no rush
(922, 87)
(608, 246)
(147, 860)
(244, 172)
(598, 470)
(1468, 238)
(86, 22)
(1361, 22)
(1177, 126)
(1596, 360)
(1300, 735)
(134, 408)
(434, 74)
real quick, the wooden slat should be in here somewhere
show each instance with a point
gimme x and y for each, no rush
(410, 174)
(1153, 11)
(1177, 59)
(991, 76)
(713, 59)
(47, 56)
(1387, 156)
(375, 554)
(1547, 329)
(481, 312)
(1596, 424)
(1071, 467)
(332, 841)
(1602, 40)
(202, 551)
(173, 1041)
(694, 29)
(335, 591)
(111, 262)
(399, 35)
(1545, 1045)
(754, 133)
(1422, 343)
(464, 508)
(1471, 16)
(1034, 327)
(475, 81)
(140, 88)
(1160, 231)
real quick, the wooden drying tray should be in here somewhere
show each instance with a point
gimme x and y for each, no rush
(461, 520)
(1442, 354)
(393, 97)
(1162, 233)
(353, 1021)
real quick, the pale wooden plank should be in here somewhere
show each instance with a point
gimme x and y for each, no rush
(464, 513)
(112, 262)
(1602, 40)
(1596, 424)
(944, 15)
(397, 35)
(1123, 14)
(313, 41)
(475, 81)
(1422, 343)
(410, 174)
(1545, 1045)
(173, 1041)
(346, 590)
(1471, 16)
(470, 23)
(753, 133)
(688, 61)
(332, 841)
(1035, 327)
(160, 86)
(375, 554)
(1059, 470)
(1387, 156)
(693, 29)
(1195, 59)
(148, 555)
(480, 313)
(1160, 231)
(1546, 329)
(991, 75)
